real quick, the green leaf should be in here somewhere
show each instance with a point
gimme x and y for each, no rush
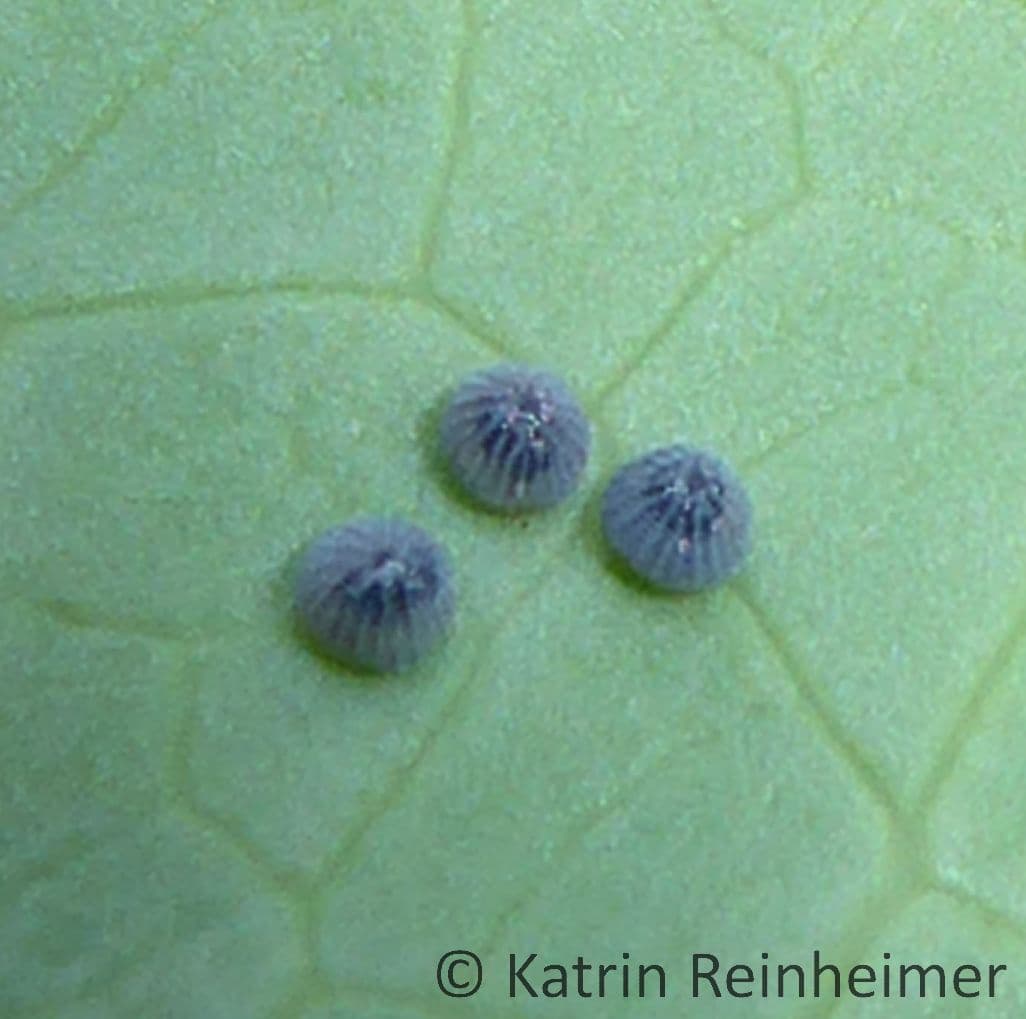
(248, 249)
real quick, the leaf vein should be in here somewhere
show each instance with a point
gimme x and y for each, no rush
(691, 289)
(818, 716)
(107, 117)
(186, 294)
(994, 671)
(459, 133)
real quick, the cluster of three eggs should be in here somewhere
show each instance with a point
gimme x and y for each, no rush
(378, 593)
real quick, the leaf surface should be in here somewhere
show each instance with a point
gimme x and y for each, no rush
(248, 250)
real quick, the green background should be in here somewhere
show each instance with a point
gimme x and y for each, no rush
(246, 249)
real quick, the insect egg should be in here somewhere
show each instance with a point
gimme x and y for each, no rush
(515, 438)
(680, 517)
(375, 593)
